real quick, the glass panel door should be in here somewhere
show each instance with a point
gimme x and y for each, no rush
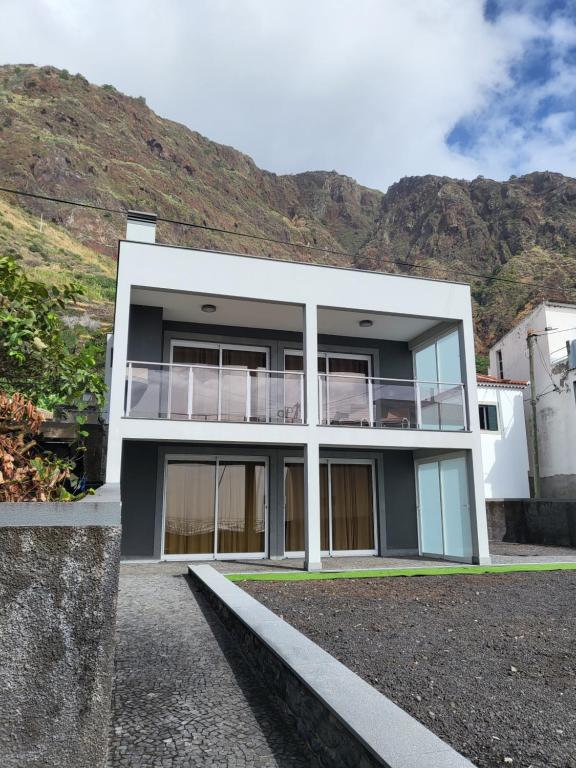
(455, 506)
(243, 396)
(352, 507)
(430, 509)
(348, 396)
(346, 507)
(201, 400)
(444, 508)
(189, 508)
(294, 507)
(241, 507)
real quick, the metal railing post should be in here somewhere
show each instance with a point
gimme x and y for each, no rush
(418, 405)
(129, 393)
(190, 385)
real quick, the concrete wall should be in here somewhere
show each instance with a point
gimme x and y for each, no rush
(400, 501)
(145, 334)
(505, 452)
(58, 589)
(138, 488)
(531, 521)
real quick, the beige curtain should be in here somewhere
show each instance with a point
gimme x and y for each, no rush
(189, 514)
(294, 508)
(238, 386)
(352, 506)
(241, 507)
(204, 385)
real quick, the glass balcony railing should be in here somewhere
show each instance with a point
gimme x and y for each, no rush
(356, 400)
(212, 393)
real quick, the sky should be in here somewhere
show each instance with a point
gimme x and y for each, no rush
(375, 89)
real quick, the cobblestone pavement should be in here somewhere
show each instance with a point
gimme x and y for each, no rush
(183, 695)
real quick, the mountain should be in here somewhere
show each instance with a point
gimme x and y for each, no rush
(62, 136)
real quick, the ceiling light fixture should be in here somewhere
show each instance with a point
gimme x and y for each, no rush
(209, 308)
(365, 323)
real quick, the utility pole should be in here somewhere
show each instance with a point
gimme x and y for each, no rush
(531, 339)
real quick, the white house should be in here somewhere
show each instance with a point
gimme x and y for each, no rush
(555, 376)
(265, 408)
(503, 438)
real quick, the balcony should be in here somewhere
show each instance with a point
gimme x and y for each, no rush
(227, 394)
(355, 400)
(213, 393)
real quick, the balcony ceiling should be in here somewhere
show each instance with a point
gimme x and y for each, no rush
(391, 327)
(187, 307)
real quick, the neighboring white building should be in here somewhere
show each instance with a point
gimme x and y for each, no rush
(503, 438)
(266, 408)
(555, 379)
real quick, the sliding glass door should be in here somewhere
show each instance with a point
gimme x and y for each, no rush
(345, 385)
(215, 507)
(227, 383)
(347, 507)
(444, 508)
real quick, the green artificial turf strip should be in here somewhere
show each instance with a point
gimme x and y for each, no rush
(376, 574)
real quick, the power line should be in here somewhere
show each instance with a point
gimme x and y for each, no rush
(290, 244)
(555, 330)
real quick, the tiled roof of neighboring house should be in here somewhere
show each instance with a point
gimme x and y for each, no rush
(492, 381)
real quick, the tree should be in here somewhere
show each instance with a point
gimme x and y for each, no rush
(39, 356)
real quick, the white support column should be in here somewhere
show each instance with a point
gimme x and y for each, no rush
(476, 473)
(118, 381)
(312, 560)
(478, 506)
(310, 341)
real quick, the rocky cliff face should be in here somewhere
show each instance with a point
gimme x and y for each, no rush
(63, 136)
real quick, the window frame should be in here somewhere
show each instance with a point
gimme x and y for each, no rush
(483, 404)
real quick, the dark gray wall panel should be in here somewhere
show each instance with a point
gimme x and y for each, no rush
(145, 334)
(400, 499)
(138, 489)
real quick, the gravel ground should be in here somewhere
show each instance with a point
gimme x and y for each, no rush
(487, 662)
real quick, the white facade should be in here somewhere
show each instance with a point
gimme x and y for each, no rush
(555, 325)
(505, 448)
(189, 287)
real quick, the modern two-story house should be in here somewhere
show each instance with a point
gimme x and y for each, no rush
(262, 408)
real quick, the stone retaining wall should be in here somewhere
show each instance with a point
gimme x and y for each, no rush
(346, 722)
(533, 521)
(59, 567)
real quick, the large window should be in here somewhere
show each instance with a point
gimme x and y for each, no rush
(439, 375)
(344, 386)
(488, 417)
(227, 383)
(346, 506)
(215, 507)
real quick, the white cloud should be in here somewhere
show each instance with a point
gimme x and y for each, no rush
(368, 87)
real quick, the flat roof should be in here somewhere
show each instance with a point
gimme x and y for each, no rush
(301, 263)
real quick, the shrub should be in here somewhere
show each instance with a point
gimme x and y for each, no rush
(27, 473)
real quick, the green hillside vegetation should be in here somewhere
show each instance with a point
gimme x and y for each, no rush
(51, 256)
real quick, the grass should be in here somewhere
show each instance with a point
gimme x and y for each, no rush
(464, 570)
